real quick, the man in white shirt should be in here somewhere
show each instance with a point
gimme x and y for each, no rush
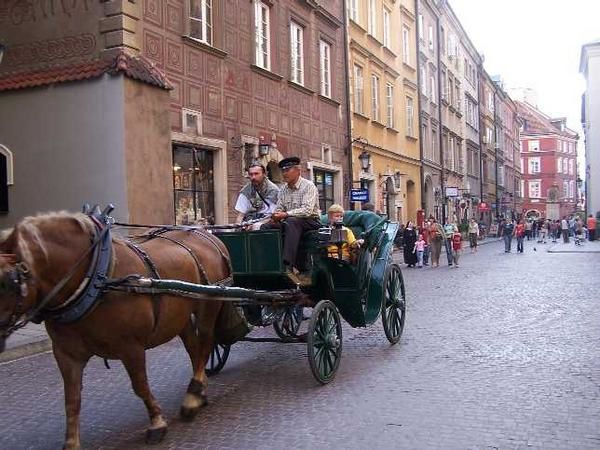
(258, 198)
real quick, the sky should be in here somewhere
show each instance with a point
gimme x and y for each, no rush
(535, 44)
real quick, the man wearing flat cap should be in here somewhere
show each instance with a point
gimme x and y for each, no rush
(297, 210)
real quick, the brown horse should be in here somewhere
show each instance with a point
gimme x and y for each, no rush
(42, 250)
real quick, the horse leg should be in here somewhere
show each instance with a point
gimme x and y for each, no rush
(195, 397)
(135, 364)
(71, 370)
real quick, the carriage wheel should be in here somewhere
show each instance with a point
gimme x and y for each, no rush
(324, 341)
(217, 359)
(393, 306)
(289, 323)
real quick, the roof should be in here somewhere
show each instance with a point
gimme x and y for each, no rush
(539, 123)
(132, 66)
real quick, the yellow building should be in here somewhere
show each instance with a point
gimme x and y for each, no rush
(384, 102)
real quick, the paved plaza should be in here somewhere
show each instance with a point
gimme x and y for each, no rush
(501, 353)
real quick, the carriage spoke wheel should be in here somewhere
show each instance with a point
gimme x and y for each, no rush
(324, 341)
(393, 308)
(289, 323)
(218, 358)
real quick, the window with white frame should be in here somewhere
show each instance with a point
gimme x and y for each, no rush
(410, 123)
(297, 53)
(358, 89)
(571, 167)
(374, 97)
(430, 35)
(201, 20)
(262, 35)
(565, 165)
(534, 165)
(559, 165)
(325, 57)
(523, 166)
(389, 97)
(386, 28)
(501, 175)
(353, 6)
(572, 189)
(533, 145)
(565, 189)
(423, 80)
(372, 17)
(521, 188)
(432, 87)
(534, 189)
(405, 45)
(420, 26)
(490, 101)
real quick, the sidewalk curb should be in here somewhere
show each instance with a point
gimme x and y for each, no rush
(29, 349)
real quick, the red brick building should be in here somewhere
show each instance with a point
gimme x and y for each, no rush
(548, 164)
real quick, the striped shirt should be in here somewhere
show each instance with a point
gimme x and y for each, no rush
(300, 200)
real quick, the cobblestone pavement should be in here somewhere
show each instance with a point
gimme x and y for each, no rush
(500, 353)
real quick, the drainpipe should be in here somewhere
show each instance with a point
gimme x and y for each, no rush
(441, 125)
(496, 150)
(419, 81)
(480, 67)
(348, 109)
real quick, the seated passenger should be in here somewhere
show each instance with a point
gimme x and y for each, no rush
(257, 198)
(335, 215)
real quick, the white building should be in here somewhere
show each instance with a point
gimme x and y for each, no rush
(590, 68)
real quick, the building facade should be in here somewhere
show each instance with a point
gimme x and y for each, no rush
(489, 187)
(549, 164)
(170, 101)
(590, 118)
(383, 89)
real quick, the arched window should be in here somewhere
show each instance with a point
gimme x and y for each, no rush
(6, 176)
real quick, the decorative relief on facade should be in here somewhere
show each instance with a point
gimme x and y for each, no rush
(213, 70)
(245, 51)
(195, 66)
(175, 17)
(153, 46)
(174, 56)
(259, 87)
(18, 12)
(245, 112)
(153, 12)
(230, 108)
(231, 12)
(285, 123)
(195, 96)
(284, 101)
(230, 41)
(259, 116)
(175, 93)
(273, 122)
(51, 50)
(213, 103)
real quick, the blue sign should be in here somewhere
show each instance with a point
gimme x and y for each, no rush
(359, 195)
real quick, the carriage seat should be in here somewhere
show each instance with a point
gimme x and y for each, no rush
(360, 222)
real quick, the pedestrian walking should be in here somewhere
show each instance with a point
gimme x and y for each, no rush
(419, 249)
(425, 233)
(528, 226)
(543, 232)
(554, 227)
(436, 237)
(507, 233)
(520, 235)
(456, 247)
(564, 228)
(591, 226)
(473, 235)
(410, 237)
(449, 230)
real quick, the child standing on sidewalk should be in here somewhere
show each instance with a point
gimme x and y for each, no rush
(419, 250)
(456, 247)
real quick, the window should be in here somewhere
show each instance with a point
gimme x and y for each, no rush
(262, 31)
(523, 166)
(410, 131)
(571, 167)
(405, 45)
(374, 97)
(297, 53)
(558, 165)
(490, 101)
(389, 96)
(565, 189)
(358, 89)
(521, 188)
(201, 20)
(423, 80)
(442, 41)
(420, 26)
(534, 165)
(435, 156)
(353, 5)
(432, 87)
(565, 165)
(534, 189)
(386, 28)
(501, 175)
(193, 185)
(533, 146)
(444, 93)
(572, 189)
(324, 182)
(430, 37)
(371, 22)
(325, 56)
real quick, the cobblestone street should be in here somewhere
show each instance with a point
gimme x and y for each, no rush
(500, 353)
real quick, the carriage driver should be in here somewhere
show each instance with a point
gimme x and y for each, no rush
(297, 211)
(257, 198)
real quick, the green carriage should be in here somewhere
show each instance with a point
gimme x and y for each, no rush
(360, 292)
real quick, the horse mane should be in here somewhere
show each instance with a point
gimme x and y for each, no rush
(30, 226)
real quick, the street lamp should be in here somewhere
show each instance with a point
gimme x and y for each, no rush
(2, 50)
(365, 160)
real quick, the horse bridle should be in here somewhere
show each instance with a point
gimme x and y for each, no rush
(16, 278)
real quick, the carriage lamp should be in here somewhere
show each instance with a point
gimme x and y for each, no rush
(2, 50)
(365, 160)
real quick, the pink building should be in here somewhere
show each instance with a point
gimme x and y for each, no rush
(548, 164)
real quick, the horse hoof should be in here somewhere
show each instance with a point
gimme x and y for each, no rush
(155, 435)
(188, 414)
